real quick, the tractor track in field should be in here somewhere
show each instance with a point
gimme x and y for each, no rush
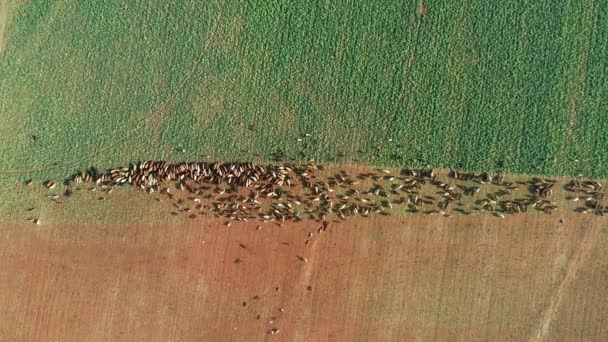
(161, 109)
(406, 80)
(581, 249)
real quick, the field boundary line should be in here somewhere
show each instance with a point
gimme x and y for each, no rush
(161, 109)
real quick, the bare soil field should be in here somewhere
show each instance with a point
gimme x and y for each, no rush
(527, 277)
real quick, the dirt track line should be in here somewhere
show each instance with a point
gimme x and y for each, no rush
(150, 116)
(487, 275)
(441, 285)
(578, 258)
(109, 324)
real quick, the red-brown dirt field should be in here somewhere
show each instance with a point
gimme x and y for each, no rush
(526, 277)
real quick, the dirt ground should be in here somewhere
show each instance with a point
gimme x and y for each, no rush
(526, 277)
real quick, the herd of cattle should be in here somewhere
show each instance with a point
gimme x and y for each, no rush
(246, 191)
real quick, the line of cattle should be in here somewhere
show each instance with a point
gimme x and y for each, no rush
(293, 192)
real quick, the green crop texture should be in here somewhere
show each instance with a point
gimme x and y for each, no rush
(479, 85)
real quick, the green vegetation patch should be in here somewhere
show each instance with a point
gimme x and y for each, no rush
(474, 85)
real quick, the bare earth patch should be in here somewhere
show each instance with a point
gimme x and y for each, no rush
(384, 278)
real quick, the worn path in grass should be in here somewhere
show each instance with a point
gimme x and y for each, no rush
(7, 12)
(3, 23)
(419, 277)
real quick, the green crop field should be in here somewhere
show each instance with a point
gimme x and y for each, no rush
(479, 85)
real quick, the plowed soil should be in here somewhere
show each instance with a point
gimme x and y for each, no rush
(525, 277)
